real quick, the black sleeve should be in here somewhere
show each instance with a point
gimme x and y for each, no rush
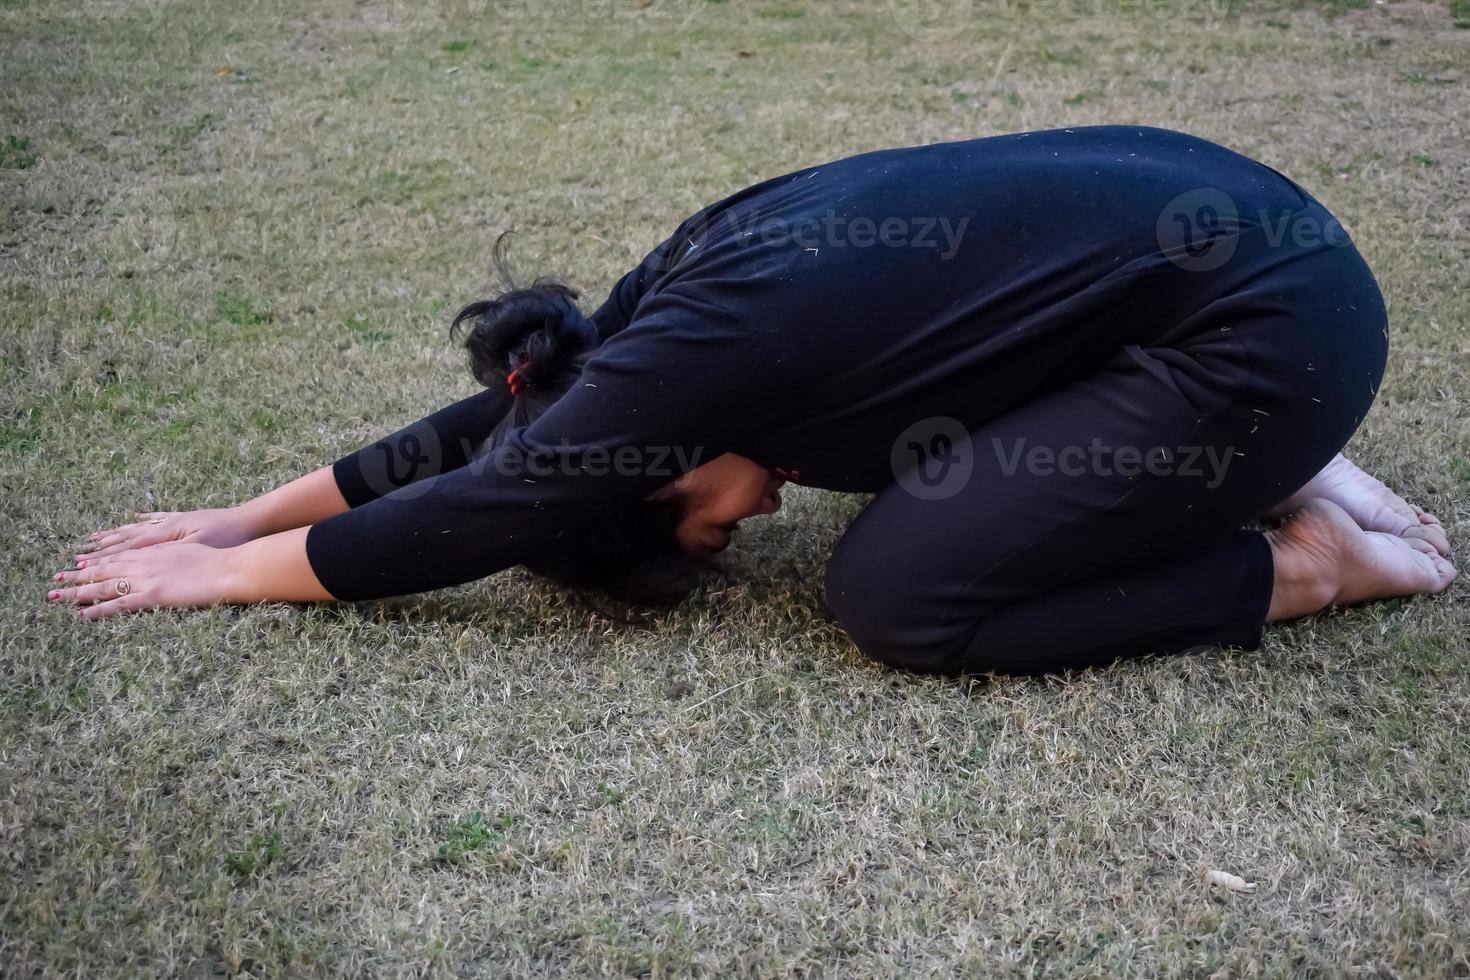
(442, 442)
(685, 381)
(627, 293)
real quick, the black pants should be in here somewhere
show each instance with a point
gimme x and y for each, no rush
(1104, 519)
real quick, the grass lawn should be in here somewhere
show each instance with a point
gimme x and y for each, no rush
(230, 235)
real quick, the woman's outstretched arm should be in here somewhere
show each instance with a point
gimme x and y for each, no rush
(300, 503)
(688, 380)
(183, 575)
(440, 443)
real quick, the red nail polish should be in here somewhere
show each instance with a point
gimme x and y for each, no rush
(54, 594)
(61, 576)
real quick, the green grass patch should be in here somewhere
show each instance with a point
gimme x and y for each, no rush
(239, 310)
(364, 332)
(16, 153)
(472, 833)
(264, 850)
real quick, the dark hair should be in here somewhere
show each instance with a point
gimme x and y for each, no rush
(537, 332)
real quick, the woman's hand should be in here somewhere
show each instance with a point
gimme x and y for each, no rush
(186, 575)
(177, 575)
(298, 504)
(221, 528)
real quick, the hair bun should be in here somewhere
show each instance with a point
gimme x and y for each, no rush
(536, 331)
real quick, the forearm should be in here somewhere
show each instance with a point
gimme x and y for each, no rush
(440, 443)
(443, 441)
(272, 568)
(299, 504)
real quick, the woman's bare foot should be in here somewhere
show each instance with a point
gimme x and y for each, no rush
(1324, 558)
(1371, 504)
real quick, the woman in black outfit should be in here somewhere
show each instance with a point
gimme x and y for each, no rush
(1071, 365)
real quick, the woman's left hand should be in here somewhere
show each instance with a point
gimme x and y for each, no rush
(176, 575)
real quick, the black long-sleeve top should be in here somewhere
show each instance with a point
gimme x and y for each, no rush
(805, 322)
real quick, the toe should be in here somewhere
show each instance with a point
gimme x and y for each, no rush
(1445, 571)
(1420, 545)
(1432, 534)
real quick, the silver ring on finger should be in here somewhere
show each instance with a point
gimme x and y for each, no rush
(121, 587)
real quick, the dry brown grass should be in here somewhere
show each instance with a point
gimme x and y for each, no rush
(226, 228)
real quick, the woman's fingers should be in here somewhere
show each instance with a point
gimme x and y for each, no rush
(104, 539)
(122, 532)
(90, 556)
(94, 571)
(127, 536)
(94, 584)
(94, 592)
(114, 607)
(147, 537)
(105, 588)
(110, 550)
(111, 578)
(151, 529)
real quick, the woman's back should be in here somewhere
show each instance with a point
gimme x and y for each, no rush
(957, 279)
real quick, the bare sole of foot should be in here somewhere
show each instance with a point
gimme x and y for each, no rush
(1370, 503)
(1323, 558)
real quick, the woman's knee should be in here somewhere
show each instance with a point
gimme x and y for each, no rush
(883, 620)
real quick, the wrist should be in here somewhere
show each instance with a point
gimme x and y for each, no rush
(236, 575)
(253, 518)
(270, 568)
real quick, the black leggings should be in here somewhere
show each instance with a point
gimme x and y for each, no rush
(1104, 518)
